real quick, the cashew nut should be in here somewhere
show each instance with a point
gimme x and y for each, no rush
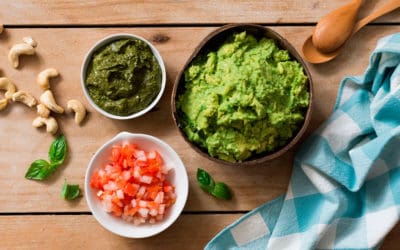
(42, 110)
(29, 40)
(3, 104)
(17, 50)
(50, 122)
(78, 108)
(7, 85)
(25, 98)
(48, 100)
(43, 77)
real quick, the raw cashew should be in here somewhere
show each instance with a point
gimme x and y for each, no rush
(3, 104)
(7, 85)
(78, 108)
(29, 40)
(50, 122)
(42, 110)
(17, 50)
(25, 98)
(43, 77)
(48, 100)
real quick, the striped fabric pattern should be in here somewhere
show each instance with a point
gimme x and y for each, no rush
(344, 192)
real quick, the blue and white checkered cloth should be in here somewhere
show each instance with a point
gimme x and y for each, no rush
(344, 192)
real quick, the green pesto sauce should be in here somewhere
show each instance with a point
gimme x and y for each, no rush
(123, 77)
(248, 97)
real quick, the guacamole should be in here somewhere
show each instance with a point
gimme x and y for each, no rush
(123, 77)
(246, 98)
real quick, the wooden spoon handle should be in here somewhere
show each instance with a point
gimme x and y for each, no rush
(386, 8)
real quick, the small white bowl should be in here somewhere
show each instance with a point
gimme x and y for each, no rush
(176, 176)
(104, 42)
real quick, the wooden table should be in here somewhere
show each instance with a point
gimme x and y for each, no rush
(32, 214)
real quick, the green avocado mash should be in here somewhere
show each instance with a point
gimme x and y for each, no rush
(246, 98)
(123, 77)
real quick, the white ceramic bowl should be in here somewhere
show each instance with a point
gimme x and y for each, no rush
(104, 42)
(176, 176)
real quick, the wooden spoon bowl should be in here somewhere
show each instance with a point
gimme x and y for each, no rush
(336, 27)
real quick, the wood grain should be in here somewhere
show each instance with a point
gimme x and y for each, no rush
(64, 49)
(33, 216)
(79, 231)
(38, 12)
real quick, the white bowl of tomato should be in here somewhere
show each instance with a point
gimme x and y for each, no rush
(136, 185)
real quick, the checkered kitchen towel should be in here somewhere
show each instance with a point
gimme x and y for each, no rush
(345, 188)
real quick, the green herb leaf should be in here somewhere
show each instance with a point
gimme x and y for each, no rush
(39, 170)
(205, 181)
(70, 192)
(58, 150)
(221, 191)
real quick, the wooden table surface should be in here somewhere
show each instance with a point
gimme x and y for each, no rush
(32, 214)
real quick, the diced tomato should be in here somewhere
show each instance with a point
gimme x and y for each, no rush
(159, 198)
(153, 205)
(98, 181)
(132, 211)
(115, 153)
(153, 191)
(131, 189)
(168, 188)
(133, 185)
(116, 210)
(128, 151)
(140, 163)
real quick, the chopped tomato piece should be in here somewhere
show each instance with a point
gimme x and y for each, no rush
(131, 189)
(133, 185)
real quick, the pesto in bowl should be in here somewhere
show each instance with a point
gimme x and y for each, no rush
(246, 98)
(123, 75)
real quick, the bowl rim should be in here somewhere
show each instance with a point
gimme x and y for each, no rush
(282, 43)
(184, 179)
(104, 41)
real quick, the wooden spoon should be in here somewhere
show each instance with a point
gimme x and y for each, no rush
(313, 55)
(334, 29)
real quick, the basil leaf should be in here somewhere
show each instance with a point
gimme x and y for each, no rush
(39, 170)
(58, 150)
(53, 166)
(205, 181)
(70, 192)
(221, 191)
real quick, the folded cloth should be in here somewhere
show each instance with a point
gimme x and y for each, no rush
(344, 192)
